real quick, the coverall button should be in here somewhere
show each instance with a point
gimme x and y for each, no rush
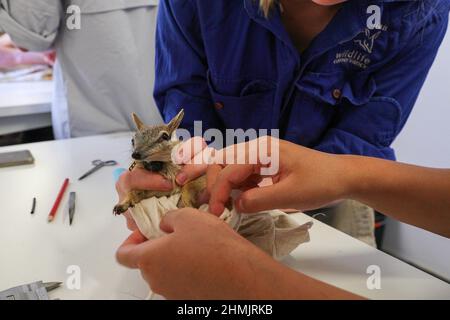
(218, 105)
(337, 94)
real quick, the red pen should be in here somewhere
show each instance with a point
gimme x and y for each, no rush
(52, 213)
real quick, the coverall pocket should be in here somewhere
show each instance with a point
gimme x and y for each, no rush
(377, 122)
(337, 88)
(251, 108)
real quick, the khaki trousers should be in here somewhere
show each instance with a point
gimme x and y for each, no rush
(351, 217)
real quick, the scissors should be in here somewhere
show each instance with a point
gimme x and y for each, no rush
(97, 165)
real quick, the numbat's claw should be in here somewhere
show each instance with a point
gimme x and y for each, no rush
(118, 210)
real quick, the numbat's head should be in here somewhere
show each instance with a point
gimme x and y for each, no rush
(152, 145)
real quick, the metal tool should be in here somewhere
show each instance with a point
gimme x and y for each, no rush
(32, 291)
(98, 164)
(49, 286)
(72, 197)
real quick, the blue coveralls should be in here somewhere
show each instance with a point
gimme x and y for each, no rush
(350, 92)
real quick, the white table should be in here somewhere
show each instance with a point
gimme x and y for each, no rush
(25, 105)
(32, 249)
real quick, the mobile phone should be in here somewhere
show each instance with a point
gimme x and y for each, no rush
(16, 158)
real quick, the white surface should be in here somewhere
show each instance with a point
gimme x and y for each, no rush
(425, 141)
(25, 106)
(23, 123)
(23, 98)
(32, 249)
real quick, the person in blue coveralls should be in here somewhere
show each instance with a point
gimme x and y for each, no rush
(337, 76)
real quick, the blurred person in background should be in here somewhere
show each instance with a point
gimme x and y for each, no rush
(104, 64)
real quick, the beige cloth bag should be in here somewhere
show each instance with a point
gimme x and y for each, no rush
(274, 231)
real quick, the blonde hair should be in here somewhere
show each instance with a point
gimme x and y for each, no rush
(266, 5)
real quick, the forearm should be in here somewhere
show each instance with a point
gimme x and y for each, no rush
(298, 286)
(415, 195)
(269, 279)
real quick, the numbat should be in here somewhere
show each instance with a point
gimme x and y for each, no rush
(152, 151)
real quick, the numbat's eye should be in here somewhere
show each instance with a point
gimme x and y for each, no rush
(165, 136)
(132, 142)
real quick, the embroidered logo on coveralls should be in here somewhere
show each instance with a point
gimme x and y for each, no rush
(364, 45)
(368, 40)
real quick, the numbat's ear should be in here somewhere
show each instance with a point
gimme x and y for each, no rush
(175, 122)
(138, 122)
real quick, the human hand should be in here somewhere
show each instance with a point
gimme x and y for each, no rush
(306, 180)
(11, 56)
(201, 258)
(188, 155)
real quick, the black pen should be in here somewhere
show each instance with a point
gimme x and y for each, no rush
(33, 207)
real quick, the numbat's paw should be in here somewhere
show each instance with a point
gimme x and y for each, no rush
(119, 209)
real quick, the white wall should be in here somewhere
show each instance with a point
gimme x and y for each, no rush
(425, 140)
